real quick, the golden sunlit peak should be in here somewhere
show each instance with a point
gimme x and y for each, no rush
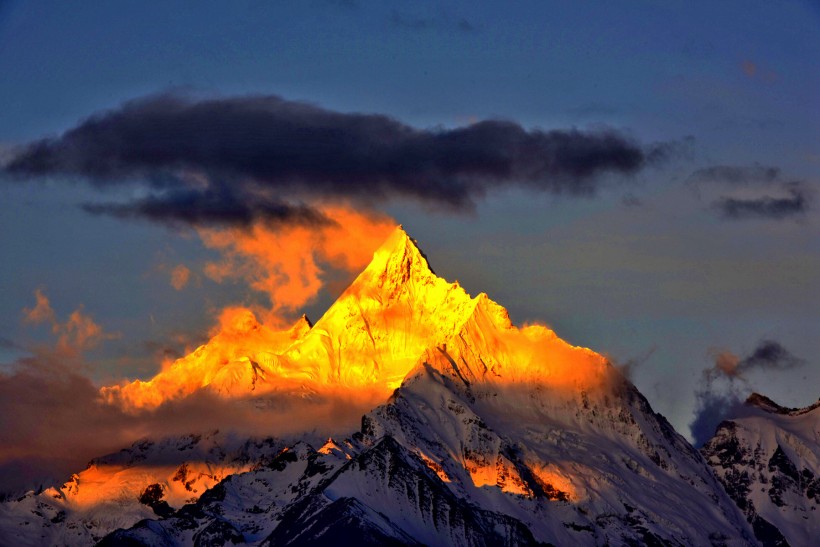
(399, 245)
(393, 317)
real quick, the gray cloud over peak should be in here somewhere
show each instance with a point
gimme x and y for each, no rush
(253, 156)
(725, 386)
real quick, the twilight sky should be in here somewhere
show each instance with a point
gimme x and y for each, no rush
(642, 177)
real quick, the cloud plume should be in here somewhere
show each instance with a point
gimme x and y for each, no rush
(768, 355)
(291, 264)
(53, 420)
(236, 159)
(724, 386)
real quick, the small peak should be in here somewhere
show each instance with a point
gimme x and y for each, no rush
(764, 403)
(331, 447)
(398, 240)
(304, 319)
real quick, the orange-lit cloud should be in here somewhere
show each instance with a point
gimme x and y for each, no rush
(289, 263)
(180, 276)
(42, 312)
(78, 333)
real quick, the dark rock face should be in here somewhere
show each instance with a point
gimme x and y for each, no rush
(343, 522)
(152, 497)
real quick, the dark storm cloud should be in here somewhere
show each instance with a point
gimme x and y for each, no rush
(198, 207)
(267, 146)
(721, 394)
(768, 207)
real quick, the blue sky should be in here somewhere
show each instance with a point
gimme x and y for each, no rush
(647, 269)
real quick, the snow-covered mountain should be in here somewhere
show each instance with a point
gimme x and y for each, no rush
(768, 459)
(488, 434)
(445, 463)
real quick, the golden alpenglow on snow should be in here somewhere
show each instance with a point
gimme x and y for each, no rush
(394, 316)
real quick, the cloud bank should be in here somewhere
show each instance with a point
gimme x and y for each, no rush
(53, 420)
(237, 159)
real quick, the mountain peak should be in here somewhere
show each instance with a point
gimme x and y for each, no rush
(764, 403)
(382, 323)
(399, 249)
